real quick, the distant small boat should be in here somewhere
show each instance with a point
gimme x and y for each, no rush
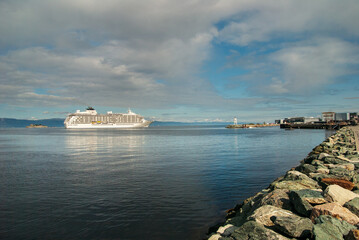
(36, 126)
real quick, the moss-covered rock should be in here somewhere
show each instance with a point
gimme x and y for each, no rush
(353, 205)
(295, 180)
(253, 230)
(343, 227)
(293, 226)
(302, 200)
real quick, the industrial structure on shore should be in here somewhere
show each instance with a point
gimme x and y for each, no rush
(329, 120)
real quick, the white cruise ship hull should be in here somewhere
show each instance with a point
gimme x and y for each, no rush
(91, 119)
(109, 125)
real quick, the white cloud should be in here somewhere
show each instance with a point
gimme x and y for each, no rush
(267, 20)
(309, 66)
(299, 68)
(127, 53)
(150, 54)
(93, 22)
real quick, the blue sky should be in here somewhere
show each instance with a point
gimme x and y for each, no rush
(203, 60)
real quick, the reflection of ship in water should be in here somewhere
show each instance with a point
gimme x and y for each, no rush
(91, 119)
(94, 142)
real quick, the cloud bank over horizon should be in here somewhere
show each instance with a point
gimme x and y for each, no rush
(260, 59)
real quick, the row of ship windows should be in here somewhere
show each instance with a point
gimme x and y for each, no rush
(89, 119)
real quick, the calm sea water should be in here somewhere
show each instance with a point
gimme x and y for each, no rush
(154, 183)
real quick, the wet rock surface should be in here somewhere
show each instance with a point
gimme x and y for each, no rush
(319, 199)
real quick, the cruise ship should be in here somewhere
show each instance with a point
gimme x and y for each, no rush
(91, 119)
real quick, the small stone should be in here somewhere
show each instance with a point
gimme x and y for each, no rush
(323, 170)
(353, 205)
(306, 168)
(318, 164)
(333, 160)
(293, 226)
(314, 175)
(323, 155)
(335, 193)
(214, 237)
(310, 158)
(330, 165)
(353, 235)
(319, 177)
(226, 230)
(336, 210)
(343, 158)
(340, 182)
(348, 166)
(295, 176)
(263, 214)
(252, 230)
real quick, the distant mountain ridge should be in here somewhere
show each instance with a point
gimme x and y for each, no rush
(13, 122)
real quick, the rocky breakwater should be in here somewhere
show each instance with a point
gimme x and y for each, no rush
(319, 199)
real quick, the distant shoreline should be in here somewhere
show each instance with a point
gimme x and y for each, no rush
(59, 122)
(252, 125)
(36, 126)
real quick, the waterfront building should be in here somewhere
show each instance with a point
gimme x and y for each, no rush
(332, 116)
(301, 120)
(328, 116)
(342, 116)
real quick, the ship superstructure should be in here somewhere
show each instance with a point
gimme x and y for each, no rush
(91, 119)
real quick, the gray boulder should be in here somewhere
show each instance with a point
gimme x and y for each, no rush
(352, 235)
(306, 168)
(335, 193)
(353, 205)
(252, 230)
(326, 231)
(333, 160)
(293, 226)
(278, 198)
(295, 180)
(264, 214)
(329, 223)
(302, 200)
(342, 173)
